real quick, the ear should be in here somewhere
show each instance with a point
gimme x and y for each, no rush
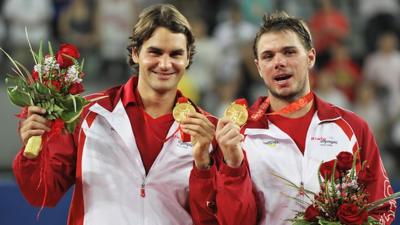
(135, 55)
(258, 67)
(311, 58)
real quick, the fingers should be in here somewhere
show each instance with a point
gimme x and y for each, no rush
(36, 110)
(222, 123)
(34, 125)
(197, 124)
(227, 130)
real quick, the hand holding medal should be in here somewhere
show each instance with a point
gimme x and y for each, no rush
(237, 112)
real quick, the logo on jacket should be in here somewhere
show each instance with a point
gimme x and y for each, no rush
(185, 145)
(325, 141)
(271, 143)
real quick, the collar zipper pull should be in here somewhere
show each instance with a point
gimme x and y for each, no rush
(302, 191)
(142, 191)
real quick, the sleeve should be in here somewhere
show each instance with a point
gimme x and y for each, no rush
(379, 185)
(222, 195)
(202, 193)
(235, 198)
(45, 179)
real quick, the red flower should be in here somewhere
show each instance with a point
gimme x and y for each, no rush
(349, 214)
(65, 51)
(365, 175)
(56, 84)
(311, 213)
(344, 161)
(35, 75)
(75, 88)
(326, 170)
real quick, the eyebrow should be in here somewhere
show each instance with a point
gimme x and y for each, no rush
(159, 50)
(281, 49)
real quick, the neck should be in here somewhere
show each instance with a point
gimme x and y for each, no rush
(278, 104)
(157, 104)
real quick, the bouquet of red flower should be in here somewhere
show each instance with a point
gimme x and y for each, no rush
(342, 198)
(54, 84)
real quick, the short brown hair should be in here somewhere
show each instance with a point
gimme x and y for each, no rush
(160, 15)
(281, 21)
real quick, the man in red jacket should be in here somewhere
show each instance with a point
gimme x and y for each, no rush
(128, 158)
(288, 134)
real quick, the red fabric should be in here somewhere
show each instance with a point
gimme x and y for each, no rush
(62, 165)
(380, 186)
(150, 133)
(296, 128)
(222, 195)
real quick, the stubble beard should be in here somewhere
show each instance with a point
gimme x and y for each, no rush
(292, 96)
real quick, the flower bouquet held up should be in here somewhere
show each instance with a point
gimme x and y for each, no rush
(54, 84)
(342, 198)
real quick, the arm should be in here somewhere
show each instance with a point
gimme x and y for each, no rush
(235, 199)
(45, 179)
(378, 186)
(223, 193)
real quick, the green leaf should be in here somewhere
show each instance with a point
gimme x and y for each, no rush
(19, 97)
(379, 202)
(71, 126)
(73, 107)
(17, 69)
(35, 58)
(41, 89)
(40, 51)
(301, 222)
(50, 49)
(325, 222)
(372, 221)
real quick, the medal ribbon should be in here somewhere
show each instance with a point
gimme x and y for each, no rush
(292, 107)
(184, 136)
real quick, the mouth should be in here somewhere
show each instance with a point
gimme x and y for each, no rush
(282, 77)
(164, 75)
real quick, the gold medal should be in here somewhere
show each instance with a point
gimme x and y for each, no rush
(181, 110)
(237, 113)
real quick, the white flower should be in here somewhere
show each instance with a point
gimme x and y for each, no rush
(50, 63)
(73, 74)
(38, 68)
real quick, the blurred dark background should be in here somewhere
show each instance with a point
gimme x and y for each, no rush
(358, 63)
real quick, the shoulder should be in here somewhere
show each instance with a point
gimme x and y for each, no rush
(328, 111)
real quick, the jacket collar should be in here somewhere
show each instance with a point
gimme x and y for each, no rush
(325, 112)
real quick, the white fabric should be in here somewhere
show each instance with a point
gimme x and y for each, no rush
(113, 174)
(280, 155)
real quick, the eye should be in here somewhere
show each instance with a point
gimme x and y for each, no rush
(267, 56)
(290, 52)
(154, 53)
(176, 54)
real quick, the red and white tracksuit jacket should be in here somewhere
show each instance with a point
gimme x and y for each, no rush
(103, 162)
(332, 130)
(272, 152)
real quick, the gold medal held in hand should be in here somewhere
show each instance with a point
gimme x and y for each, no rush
(237, 112)
(181, 109)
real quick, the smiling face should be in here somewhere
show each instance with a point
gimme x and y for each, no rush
(283, 63)
(162, 60)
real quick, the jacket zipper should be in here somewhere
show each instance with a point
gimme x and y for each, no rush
(142, 191)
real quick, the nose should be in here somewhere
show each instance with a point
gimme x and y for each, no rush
(279, 61)
(165, 62)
